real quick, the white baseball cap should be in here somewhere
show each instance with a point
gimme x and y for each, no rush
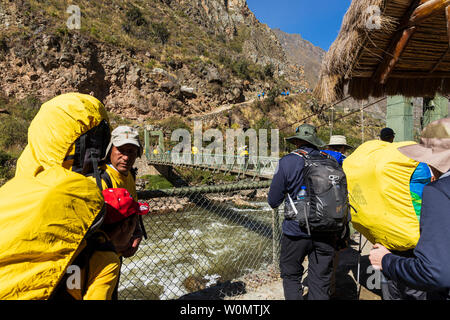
(124, 135)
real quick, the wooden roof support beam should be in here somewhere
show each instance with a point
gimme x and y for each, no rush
(447, 16)
(396, 46)
(398, 50)
(419, 11)
(425, 10)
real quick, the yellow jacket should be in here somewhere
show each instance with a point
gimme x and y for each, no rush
(46, 210)
(44, 221)
(104, 269)
(119, 180)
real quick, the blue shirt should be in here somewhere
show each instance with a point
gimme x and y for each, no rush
(288, 178)
(337, 155)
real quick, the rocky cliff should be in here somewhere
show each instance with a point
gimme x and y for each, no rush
(302, 52)
(144, 60)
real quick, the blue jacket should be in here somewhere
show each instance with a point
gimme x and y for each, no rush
(288, 178)
(337, 155)
(429, 270)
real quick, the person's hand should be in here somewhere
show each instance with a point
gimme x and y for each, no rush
(376, 256)
(132, 248)
(133, 245)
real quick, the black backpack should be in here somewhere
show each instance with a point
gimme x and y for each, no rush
(325, 207)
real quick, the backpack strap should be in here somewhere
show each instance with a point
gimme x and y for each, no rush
(302, 153)
(133, 172)
(105, 177)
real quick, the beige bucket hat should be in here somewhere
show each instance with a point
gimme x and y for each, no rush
(339, 141)
(434, 146)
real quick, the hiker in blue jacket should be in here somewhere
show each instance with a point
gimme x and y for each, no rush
(428, 269)
(337, 147)
(296, 244)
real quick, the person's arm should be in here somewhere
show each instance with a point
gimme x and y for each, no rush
(277, 187)
(104, 269)
(429, 269)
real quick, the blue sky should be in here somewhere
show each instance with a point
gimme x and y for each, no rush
(316, 21)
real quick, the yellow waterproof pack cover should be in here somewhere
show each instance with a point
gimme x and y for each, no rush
(378, 177)
(47, 209)
(44, 220)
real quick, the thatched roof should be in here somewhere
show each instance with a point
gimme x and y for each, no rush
(405, 52)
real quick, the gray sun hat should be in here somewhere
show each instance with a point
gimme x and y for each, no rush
(434, 146)
(124, 135)
(308, 133)
(338, 140)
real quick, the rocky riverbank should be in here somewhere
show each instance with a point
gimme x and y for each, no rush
(243, 200)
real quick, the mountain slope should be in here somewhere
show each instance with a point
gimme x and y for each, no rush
(302, 52)
(144, 59)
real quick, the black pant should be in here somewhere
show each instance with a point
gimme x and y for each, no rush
(393, 290)
(397, 290)
(320, 252)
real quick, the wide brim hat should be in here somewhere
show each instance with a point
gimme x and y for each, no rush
(339, 141)
(434, 146)
(308, 133)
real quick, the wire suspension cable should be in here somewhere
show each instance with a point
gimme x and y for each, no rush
(358, 110)
(314, 114)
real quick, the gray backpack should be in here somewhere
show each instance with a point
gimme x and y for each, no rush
(324, 207)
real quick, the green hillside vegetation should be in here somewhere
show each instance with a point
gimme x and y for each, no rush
(14, 128)
(168, 36)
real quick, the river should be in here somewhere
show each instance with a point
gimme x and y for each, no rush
(193, 249)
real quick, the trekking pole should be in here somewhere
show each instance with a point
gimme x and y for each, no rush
(359, 262)
(358, 291)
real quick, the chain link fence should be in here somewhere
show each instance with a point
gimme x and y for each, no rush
(201, 242)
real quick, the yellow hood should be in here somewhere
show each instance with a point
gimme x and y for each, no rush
(46, 209)
(378, 177)
(53, 131)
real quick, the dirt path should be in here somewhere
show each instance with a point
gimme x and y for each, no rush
(346, 274)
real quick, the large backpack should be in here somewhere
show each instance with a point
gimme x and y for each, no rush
(325, 207)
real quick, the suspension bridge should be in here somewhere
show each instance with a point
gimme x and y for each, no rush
(245, 166)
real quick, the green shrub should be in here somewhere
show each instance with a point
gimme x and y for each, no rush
(269, 70)
(7, 165)
(241, 69)
(134, 15)
(161, 32)
(14, 133)
(174, 122)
